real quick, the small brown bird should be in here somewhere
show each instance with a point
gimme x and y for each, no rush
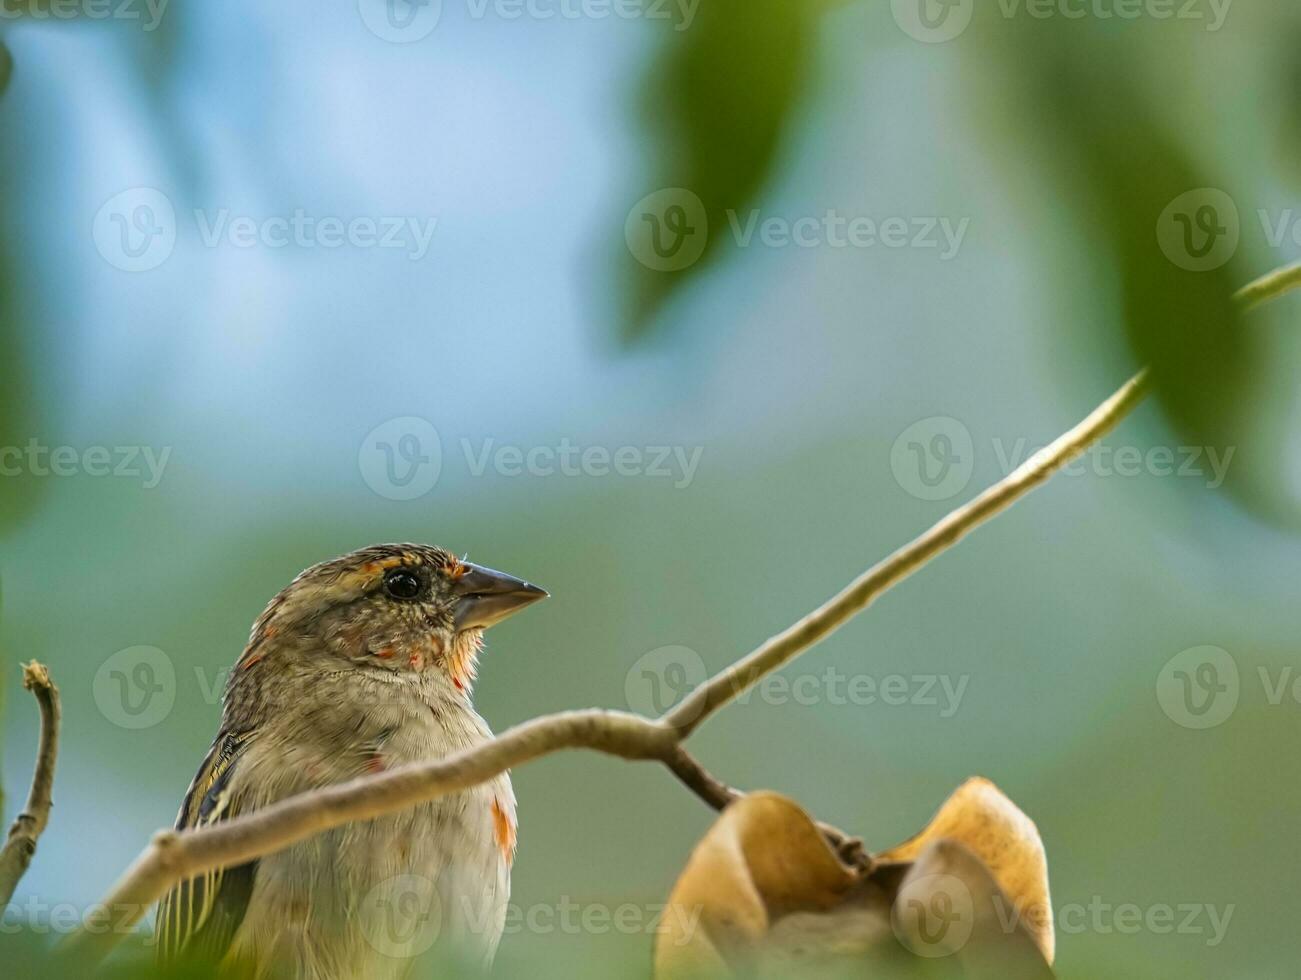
(363, 663)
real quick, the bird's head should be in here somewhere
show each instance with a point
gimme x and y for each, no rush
(396, 607)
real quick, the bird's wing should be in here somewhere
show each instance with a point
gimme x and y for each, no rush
(198, 917)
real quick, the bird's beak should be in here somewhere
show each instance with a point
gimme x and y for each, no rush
(486, 597)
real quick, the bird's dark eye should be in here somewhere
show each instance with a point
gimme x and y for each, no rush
(403, 584)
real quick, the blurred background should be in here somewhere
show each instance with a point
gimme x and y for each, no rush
(688, 312)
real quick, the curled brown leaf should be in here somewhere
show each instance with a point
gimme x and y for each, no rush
(764, 895)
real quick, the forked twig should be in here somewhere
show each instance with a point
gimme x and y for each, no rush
(16, 855)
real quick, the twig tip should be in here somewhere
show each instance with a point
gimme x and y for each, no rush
(36, 675)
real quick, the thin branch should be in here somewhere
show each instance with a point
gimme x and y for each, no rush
(1269, 287)
(692, 711)
(174, 856)
(16, 856)
(693, 775)
(718, 795)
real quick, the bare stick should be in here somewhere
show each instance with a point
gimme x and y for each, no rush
(16, 856)
(718, 795)
(693, 775)
(688, 715)
(1270, 286)
(692, 711)
(174, 856)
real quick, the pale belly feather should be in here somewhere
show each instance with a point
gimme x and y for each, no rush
(371, 899)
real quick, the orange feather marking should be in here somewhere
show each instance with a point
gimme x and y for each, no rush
(249, 659)
(503, 829)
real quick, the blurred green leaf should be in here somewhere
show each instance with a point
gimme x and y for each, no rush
(1170, 227)
(718, 103)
